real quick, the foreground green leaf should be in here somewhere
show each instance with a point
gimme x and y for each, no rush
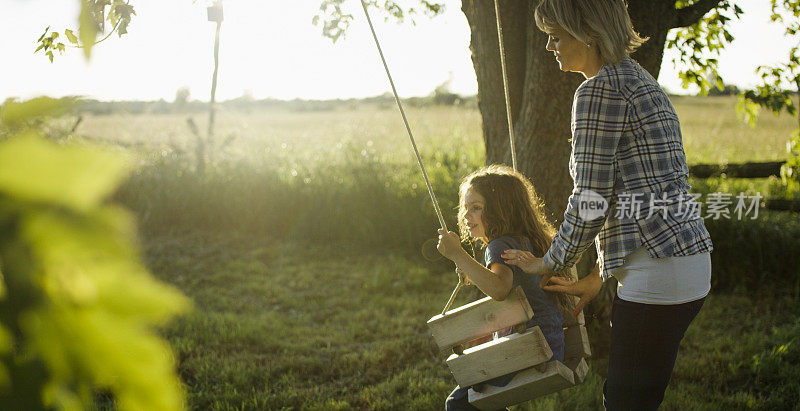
(75, 177)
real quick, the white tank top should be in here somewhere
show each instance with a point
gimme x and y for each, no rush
(671, 280)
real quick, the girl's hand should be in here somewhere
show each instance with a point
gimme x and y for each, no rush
(449, 245)
(586, 288)
(529, 263)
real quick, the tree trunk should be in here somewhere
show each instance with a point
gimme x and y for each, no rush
(642, 13)
(541, 97)
(541, 100)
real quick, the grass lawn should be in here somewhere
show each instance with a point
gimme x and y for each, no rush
(278, 326)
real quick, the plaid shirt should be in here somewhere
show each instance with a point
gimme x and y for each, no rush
(627, 147)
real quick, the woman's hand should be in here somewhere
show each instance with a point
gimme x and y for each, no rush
(449, 245)
(522, 259)
(529, 263)
(586, 288)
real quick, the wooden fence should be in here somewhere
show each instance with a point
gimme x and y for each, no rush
(748, 170)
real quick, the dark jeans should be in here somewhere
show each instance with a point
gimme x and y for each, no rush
(644, 346)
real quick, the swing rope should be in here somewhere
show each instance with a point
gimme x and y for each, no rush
(461, 277)
(505, 85)
(405, 121)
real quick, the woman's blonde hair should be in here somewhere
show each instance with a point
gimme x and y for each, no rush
(603, 22)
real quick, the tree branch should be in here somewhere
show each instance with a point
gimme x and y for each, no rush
(692, 14)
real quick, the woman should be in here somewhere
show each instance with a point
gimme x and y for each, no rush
(627, 153)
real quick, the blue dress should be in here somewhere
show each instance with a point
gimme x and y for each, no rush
(546, 315)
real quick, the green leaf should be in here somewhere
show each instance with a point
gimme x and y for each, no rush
(71, 37)
(6, 345)
(88, 28)
(14, 114)
(747, 110)
(122, 356)
(43, 34)
(5, 342)
(100, 248)
(102, 305)
(2, 296)
(34, 170)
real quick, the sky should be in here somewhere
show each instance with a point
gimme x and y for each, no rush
(270, 49)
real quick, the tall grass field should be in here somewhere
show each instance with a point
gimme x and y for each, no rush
(306, 245)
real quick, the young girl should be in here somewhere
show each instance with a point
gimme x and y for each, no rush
(499, 207)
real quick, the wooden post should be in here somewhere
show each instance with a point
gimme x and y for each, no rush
(215, 15)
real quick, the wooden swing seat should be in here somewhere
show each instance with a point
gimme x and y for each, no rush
(531, 383)
(534, 382)
(525, 350)
(496, 357)
(479, 318)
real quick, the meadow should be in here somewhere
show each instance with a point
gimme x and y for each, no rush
(306, 248)
(712, 130)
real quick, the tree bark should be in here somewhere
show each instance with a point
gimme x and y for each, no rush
(541, 97)
(486, 61)
(643, 15)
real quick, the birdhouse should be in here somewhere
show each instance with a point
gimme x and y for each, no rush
(215, 12)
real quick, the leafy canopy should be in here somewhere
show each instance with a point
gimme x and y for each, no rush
(93, 17)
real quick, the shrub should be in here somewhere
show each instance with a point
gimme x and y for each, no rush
(77, 307)
(757, 255)
(351, 197)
